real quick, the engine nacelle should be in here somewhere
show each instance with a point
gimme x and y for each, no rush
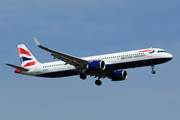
(96, 66)
(119, 75)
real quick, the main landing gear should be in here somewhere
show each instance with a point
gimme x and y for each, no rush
(98, 82)
(153, 71)
(83, 76)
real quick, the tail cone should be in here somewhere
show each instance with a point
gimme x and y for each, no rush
(17, 71)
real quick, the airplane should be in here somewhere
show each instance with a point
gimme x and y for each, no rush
(101, 66)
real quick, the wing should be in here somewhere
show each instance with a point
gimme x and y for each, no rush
(68, 59)
(17, 67)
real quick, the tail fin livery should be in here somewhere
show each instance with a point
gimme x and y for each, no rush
(26, 58)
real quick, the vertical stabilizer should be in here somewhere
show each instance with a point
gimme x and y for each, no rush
(26, 58)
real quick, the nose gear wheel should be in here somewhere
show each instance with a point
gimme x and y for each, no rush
(153, 71)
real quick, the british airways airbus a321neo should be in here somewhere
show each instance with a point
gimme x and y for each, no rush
(101, 66)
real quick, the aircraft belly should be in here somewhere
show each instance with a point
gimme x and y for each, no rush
(109, 67)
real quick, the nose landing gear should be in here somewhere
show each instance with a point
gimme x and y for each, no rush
(153, 71)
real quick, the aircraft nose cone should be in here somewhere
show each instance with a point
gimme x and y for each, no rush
(169, 56)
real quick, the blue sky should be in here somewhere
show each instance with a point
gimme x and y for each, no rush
(84, 28)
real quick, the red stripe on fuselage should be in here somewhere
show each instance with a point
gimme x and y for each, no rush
(146, 51)
(22, 51)
(29, 64)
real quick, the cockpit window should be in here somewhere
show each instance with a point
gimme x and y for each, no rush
(161, 51)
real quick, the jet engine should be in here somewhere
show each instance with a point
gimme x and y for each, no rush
(118, 75)
(96, 66)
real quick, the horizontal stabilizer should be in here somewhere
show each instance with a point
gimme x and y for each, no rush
(17, 67)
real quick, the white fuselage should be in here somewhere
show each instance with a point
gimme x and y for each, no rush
(115, 61)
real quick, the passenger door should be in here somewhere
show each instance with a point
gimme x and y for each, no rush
(37, 68)
(149, 55)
